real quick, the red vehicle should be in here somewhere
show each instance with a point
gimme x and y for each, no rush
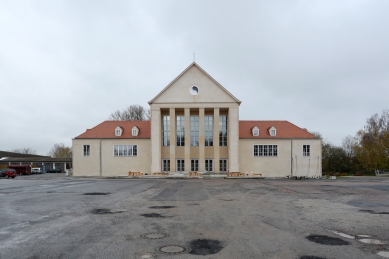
(21, 169)
(8, 173)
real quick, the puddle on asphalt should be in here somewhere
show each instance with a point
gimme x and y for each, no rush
(205, 246)
(326, 240)
(361, 238)
(162, 207)
(96, 193)
(106, 211)
(384, 254)
(374, 212)
(153, 215)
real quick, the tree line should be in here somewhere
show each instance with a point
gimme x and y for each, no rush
(365, 152)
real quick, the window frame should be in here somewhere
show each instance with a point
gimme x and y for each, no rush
(223, 131)
(165, 130)
(181, 167)
(255, 131)
(194, 165)
(207, 163)
(86, 150)
(135, 131)
(265, 150)
(208, 130)
(307, 150)
(194, 131)
(125, 150)
(165, 165)
(118, 131)
(180, 130)
(221, 165)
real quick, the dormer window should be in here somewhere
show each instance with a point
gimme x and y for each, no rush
(135, 131)
(273, 131)
(118, 131)
(255, 131)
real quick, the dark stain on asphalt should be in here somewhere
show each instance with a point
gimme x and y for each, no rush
(162, 207)
(205, 246)
(326, 240)
(374, 212)
(101, 211)
(106, 211)
(311, 257)
(96, 193)
(153, 215)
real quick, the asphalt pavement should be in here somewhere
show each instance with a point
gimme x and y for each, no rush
(55, 216)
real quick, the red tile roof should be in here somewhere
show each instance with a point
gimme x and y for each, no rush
(285, 130)
(106, 129)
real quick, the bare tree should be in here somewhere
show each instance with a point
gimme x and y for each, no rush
(25, 150)
(134, 112)
(60, 151)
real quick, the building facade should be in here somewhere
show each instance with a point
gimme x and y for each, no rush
(195, 126)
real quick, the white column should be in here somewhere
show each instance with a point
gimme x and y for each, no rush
(172, 114)
(187, 140)
(233, 139)
(201, 140)
(216, 148)
(155, 140)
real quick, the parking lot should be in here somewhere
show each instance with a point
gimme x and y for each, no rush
(55, 216)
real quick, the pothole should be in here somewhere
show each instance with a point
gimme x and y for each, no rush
(96, 193)
(154, 235)
(162, 207)
(384, 254)
(326, 240)
(173, 249)
(311, 257)
(221, 199)
(153, 215)
(106, 211)
(205, 246)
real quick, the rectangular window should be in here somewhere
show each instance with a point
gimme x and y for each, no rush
(209, 165)
(165, 131)
(165, 165)
(194, 165)
(265, 150)
(223, 165)
(306, 150)
(223, 131)
(86, 150)
(180, 131)
(180, 167)
(125, 150)
(208, 130)
(194, 131)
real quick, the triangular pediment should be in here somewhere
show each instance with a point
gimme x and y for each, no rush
(194, 85)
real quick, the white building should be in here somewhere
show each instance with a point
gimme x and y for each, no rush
(195, 126)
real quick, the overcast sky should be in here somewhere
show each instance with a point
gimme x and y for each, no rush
(66, 65)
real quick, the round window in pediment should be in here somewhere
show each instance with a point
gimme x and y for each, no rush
(194, 90)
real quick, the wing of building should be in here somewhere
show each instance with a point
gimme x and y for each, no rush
(195, 126)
